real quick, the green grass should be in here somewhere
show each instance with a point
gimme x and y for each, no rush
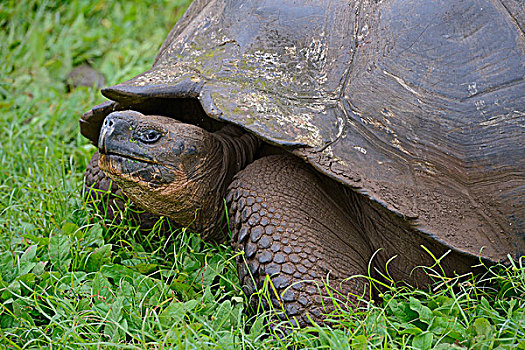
(70, 280)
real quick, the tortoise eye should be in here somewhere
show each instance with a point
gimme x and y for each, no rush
(150, 136)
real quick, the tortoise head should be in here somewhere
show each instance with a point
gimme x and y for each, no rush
(167, 167)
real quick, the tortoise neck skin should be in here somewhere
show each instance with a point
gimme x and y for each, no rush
(174, 169)
(237, 150)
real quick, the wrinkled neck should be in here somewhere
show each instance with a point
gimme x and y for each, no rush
(238, 150)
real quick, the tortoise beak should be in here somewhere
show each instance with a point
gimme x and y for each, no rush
(102, 137)
(110, 127)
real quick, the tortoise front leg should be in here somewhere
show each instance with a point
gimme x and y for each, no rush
(104, 194)
(291, 229)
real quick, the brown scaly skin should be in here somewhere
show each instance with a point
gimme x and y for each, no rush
(284, 219)
(293, 224)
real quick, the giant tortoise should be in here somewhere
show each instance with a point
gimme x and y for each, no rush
(347, 138)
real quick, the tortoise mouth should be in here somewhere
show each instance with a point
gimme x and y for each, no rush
(133, 169)
(132, 158)
(116, 151)
(119, 164)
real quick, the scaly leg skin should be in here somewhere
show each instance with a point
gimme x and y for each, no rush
(291, 229)
(97, 186)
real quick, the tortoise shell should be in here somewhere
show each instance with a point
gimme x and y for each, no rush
(419, 105)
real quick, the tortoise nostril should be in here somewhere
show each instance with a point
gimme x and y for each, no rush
(108, 122)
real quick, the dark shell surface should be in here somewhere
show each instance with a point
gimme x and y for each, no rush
(419, 105)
